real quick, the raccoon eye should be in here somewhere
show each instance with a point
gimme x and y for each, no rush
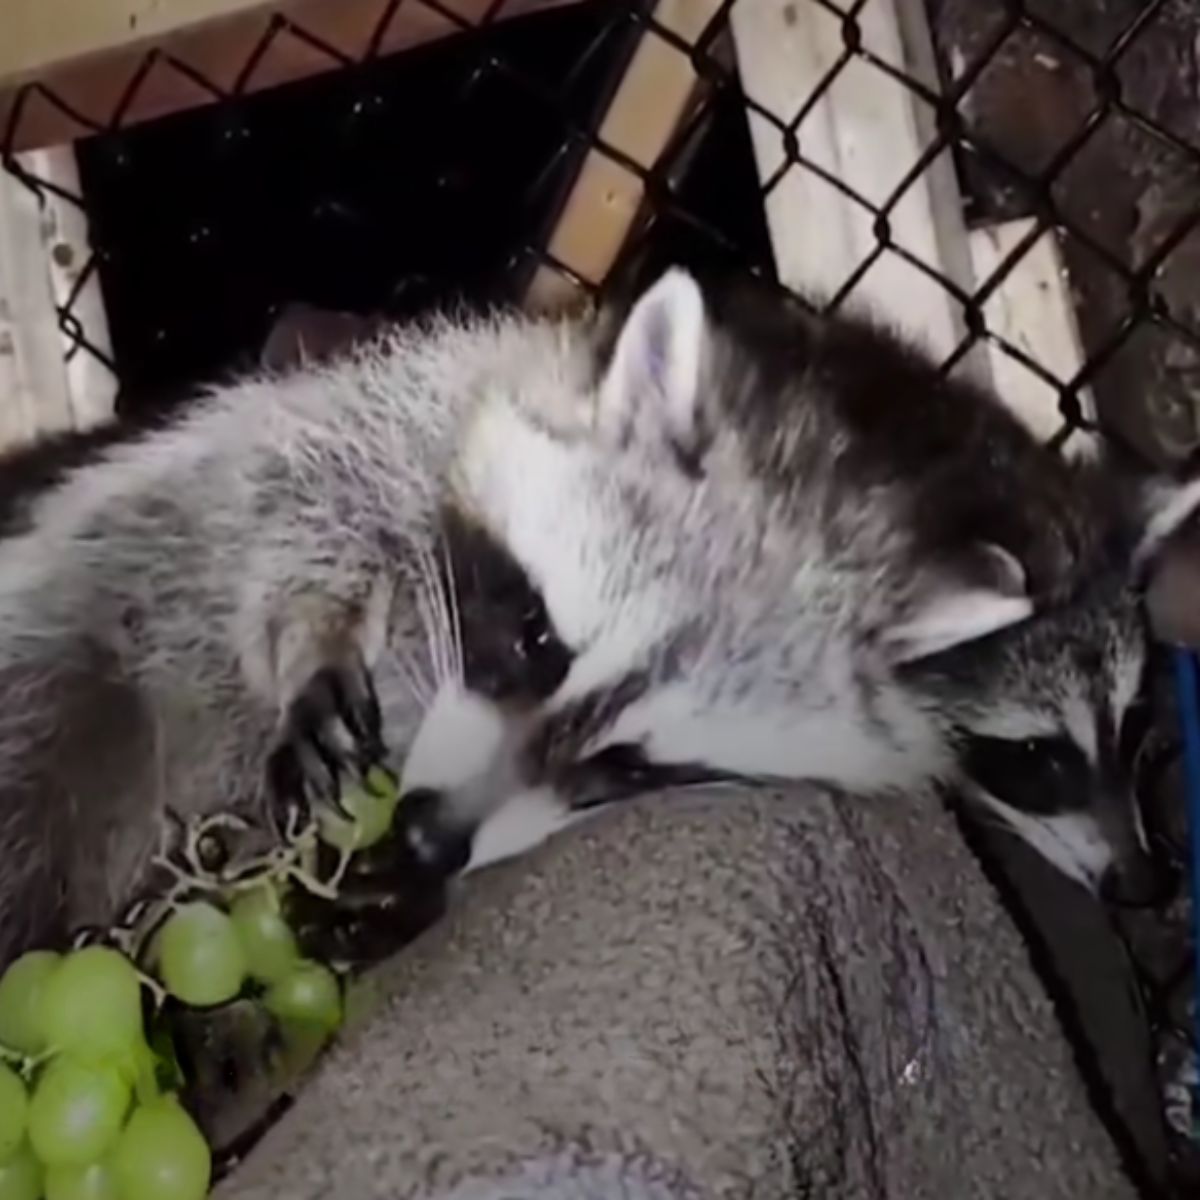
(625, 758)
(547, 659)
(534, 633)
(1043, 775)
(623, 769)
(510, 649)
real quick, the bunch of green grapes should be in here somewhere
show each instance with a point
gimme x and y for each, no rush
(84, 1112)
(81, 1113)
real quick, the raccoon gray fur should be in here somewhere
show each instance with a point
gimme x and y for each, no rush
(825, 562)
(545, 561)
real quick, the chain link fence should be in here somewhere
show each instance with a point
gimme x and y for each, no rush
(957, 164)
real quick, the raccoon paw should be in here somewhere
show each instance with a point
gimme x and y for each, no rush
(332, 734)
(385, 899)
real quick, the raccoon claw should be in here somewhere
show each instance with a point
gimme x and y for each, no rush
(332, 735)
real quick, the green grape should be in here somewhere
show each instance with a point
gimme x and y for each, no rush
(92, 1004)
(21, 1001)
(96, 1181)
(21, 1176)
(161, 1155)
(140, 1069)
(14, 1112)
(76, 1112)
(383, 784)
(266, 938)
(302, 1044)
(308, 995)
(201, 959)
(370, 819)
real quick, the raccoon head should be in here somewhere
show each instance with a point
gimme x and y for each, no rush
(1048, 718)
(730, 582)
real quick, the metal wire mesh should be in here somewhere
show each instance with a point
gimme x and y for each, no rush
(1108, 106)
(1080, 119)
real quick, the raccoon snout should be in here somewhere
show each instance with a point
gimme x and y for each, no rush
(1137, 880)
(461, 736)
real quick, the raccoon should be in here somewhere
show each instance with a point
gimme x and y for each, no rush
(549, 560)
(183, 609)
(801, 553)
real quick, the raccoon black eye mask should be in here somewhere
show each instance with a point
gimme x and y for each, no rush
(1039, 775)
(511, 651)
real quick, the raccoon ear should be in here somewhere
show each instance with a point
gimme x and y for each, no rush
(988, 593)
(652, 386)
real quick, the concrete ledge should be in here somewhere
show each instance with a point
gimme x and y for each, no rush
(714, 994)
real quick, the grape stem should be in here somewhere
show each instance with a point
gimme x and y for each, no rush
(156, 989)
(339, 872)
(292, 861)
(289, 862)
(197, 830)
(286, 863)
(25, 1064)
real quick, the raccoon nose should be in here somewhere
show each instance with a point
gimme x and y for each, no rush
(438, 845)
(422, 798)
(1137, 881)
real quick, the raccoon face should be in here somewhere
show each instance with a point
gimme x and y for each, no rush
(776, 613)
(504, 659)
(717, 619)
(1048, 721)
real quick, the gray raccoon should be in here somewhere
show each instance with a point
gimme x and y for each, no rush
(537, 559)
(200, 600)
(814, 558)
